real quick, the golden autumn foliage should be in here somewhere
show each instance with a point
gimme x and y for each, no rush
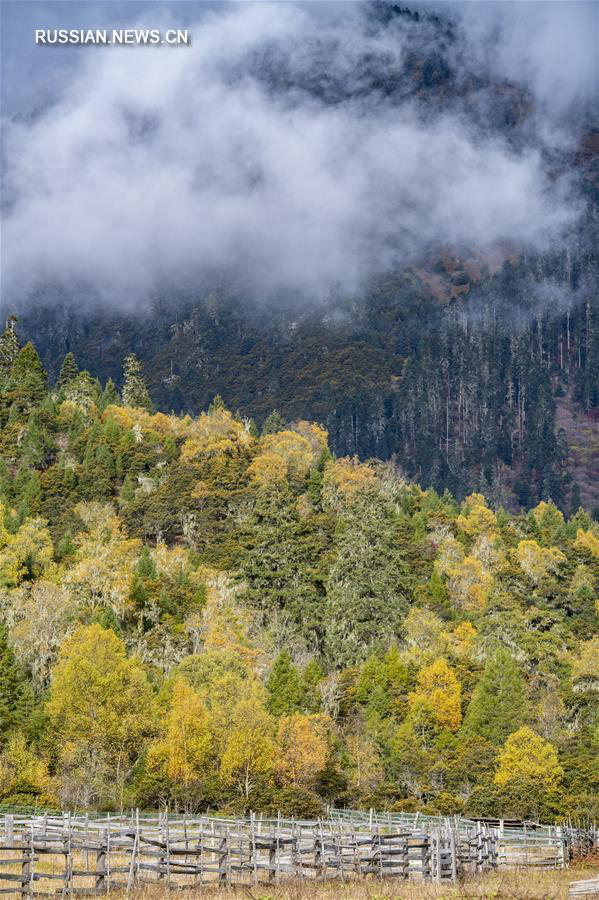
(102, 573)
(585, 668)
(538, 562)
(145, 424)
(283, 455)
(98, 696)
(437, 700)
(476, 518)
(303, 744)
(28, 552)
(346, 477)
(25, 772)
(187, 738)
(251, 750)
(215, 433)
(468, 584)
(587, 540)
(526, 757)
(177, 632)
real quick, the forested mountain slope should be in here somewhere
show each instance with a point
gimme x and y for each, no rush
(197, 612)
(468, 317)
(460, 393)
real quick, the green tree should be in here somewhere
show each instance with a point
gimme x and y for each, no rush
(284, 687)
(25, 387)
(135, 392)
(498, 705)
(9, 348)
(274, 423)
(15, 695)
(368, 585)
(110, 395)
(68, 371)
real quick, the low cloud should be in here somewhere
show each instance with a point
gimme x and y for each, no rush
(158, 165)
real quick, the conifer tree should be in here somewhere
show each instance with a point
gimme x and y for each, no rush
(368, 585)
(28, 365)
(274, 422)
(127, 492)
(284, 687)
(110, 395)
(217, 404)
(135, 392)
(13, 688)
(312, 677)
(26, 385)
(68, 371)
(9, 348)
(498, 705)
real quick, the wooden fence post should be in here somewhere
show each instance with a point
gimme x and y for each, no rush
(223, 860)
(101, 862)
(27, 868)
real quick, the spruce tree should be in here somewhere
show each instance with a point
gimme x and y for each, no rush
(217, 404)
(284, 687)
(14, 694)
(110, 395)
(275, 422)
(135, 392)
(26, 385)
(9, 348)
(68, 371)
(498, 705)
(368, 584)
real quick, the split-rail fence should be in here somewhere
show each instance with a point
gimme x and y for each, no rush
(69, 855)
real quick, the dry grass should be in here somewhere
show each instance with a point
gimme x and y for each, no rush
(505, 884)
(522, 884)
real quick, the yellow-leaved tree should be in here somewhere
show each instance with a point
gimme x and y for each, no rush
(468, 584)
(102, 574)
(25, 554)
(587, 540)
(585, 668)
(251, 752)
(527, 761)
(303, 743)
(282, 455)
(476, 518)
(437, 701)
(538, 562)
(24, 775)
(186, 744)
(101, 708)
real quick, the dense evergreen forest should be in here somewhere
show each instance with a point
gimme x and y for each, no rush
(198, 611)
(495, 389)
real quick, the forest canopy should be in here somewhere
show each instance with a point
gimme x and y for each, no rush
(199, 612)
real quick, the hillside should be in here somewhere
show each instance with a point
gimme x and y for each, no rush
(199, 612)
(379, 227)
(460, 390)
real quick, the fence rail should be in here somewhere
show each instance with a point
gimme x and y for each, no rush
(50, 855)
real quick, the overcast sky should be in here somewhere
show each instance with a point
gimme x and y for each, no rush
(135, 165)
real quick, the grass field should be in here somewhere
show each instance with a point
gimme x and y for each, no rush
(505, 885)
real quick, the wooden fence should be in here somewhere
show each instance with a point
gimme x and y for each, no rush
(91, 855)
